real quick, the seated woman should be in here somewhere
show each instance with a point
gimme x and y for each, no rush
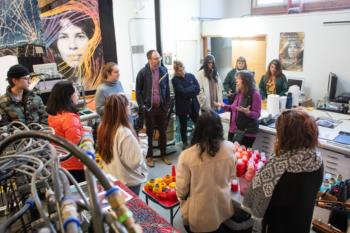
(245, 110)
(274, 81)
(283, 192)
(119, 146)
(65, 120)
(204, 174)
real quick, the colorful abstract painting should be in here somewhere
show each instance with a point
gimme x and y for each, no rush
(19, 23)
(72, 36)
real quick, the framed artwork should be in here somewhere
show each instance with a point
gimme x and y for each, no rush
(291, 50)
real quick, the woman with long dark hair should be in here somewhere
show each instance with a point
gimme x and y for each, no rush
(65, 120)
(210, 85)
(204, 174)
(283, 193)
(245, 109)
(119, 146)
(274, 81)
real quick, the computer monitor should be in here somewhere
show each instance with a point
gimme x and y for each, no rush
(294, 81)
(332, 86)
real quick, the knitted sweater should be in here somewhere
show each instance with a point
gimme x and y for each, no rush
(104, 90)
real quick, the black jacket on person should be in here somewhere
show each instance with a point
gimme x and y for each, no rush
(292, 203)
(186, 90)
(144, 88)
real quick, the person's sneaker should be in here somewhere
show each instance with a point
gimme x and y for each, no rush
(166, 160)
(150, 162)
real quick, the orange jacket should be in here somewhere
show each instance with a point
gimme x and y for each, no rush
(68, 126)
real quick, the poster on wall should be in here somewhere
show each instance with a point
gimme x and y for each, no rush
(19, 23)
(72, 37)
(291, 52)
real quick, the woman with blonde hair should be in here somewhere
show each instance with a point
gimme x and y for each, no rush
(119, 146)
(110, 85)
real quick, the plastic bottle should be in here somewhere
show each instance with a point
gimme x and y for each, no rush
(289, 101)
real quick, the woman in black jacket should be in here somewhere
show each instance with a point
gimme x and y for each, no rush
(186, 89)
(283, 193)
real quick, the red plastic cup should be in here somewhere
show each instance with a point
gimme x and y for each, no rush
(234, 186)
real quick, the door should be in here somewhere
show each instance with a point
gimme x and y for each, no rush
(254, 51)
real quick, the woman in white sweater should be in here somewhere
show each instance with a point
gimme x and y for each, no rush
(119, 146)
(210, 85)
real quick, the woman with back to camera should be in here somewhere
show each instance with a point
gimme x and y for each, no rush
(204, 174)
(245, 109)
(274, 81)
(65, 120)
(119, 146)
(230, 80)
(109, 86)
(283, 193)
(209, 84)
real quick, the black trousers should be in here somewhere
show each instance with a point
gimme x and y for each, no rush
(156, 118)
(183, 124)
(247, 141)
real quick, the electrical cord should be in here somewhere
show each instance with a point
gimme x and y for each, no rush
(29, 204)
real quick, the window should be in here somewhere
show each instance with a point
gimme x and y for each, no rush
(261, 7)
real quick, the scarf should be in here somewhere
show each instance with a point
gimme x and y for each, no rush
(259, 194)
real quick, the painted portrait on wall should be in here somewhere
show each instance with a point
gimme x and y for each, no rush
(72, 36)
(291, 50)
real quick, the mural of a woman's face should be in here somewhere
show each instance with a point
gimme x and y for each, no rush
(293, 50)
(72, 43)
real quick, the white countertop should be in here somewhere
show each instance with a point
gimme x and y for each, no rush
(326, 135)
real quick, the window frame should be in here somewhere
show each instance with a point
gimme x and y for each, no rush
(320, 5)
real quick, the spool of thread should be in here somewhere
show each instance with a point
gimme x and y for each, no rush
(273, 104)
(295, 90)
(283, 102)
(234, 185)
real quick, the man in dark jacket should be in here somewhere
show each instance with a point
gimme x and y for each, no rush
(19, 103)
(186, 89)
(153, 97)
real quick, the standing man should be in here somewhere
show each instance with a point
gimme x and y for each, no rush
(153, 97)
(186, 89)
(19, 103)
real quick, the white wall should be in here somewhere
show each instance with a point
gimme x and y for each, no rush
(237, 8)
(5, 63)
(181, 31)
(327, 48)
(134, 25)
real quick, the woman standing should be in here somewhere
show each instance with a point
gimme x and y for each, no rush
(283, 193)
(65, 120)
(274, 81)
(209, 84)
(245, 109)
(186, 89)
(118, 144)
(204, 174)
(230, 80)
(109, 86)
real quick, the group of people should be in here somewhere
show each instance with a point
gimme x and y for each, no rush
(284, 189)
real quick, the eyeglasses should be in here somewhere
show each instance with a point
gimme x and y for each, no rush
(26, 77)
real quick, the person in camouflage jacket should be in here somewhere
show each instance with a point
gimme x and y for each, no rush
(18, 103)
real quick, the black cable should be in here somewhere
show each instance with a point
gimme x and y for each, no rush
(66, 145)
(29, 204)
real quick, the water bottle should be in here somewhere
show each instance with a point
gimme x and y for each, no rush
(289, 101)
